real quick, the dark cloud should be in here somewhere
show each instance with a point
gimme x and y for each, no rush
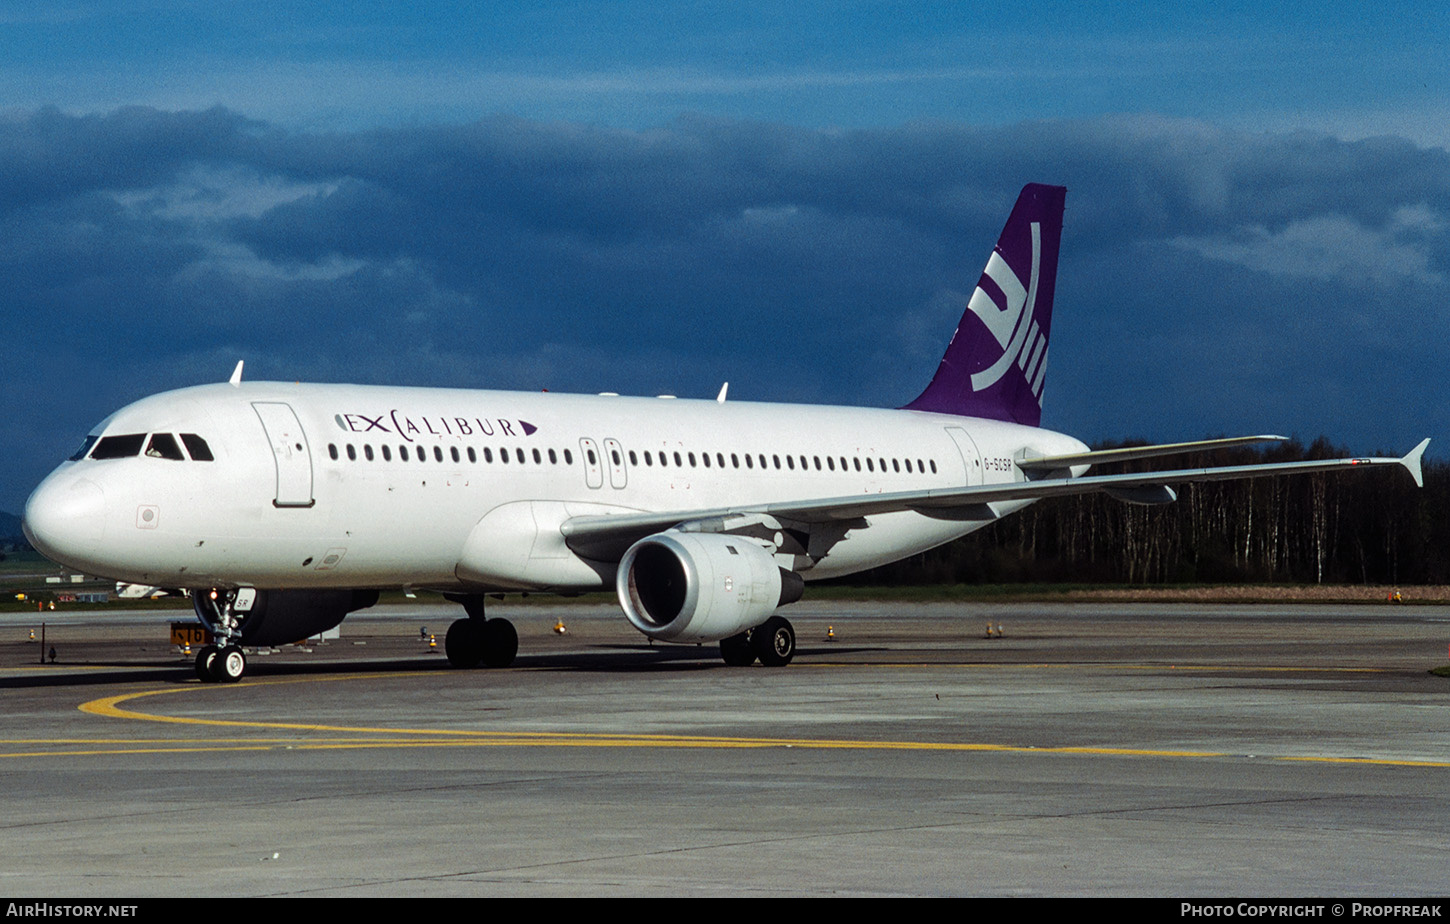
(49, 156)
(1212, 281)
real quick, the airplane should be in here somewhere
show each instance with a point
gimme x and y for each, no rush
(283, 507)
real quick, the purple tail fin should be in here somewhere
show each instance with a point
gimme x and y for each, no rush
(997, 360)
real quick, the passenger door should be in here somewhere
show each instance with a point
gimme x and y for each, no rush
(290, 452)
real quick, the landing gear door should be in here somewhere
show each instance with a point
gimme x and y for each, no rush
(289, 451)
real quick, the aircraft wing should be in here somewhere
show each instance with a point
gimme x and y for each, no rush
(606, 537)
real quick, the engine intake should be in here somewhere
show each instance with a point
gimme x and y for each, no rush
(701, 587)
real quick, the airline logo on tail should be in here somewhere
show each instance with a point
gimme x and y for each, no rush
(1007, 322)
(1011, 322)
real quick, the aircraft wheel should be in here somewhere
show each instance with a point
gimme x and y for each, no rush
(229, 664)
(204, 659)
(463, 644)
(774, 642)
(500, 643)
(736, 650)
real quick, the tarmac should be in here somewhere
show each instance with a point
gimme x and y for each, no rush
(1088, 750)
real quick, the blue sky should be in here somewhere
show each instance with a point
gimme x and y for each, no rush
(1350, 68)
(658, 197)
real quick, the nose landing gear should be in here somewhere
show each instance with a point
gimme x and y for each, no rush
(224, 662)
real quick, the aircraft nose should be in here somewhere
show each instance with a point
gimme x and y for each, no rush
(65, 519)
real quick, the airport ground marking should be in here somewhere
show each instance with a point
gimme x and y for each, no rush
(1377, 761)
(362, 737)
(1102, 665)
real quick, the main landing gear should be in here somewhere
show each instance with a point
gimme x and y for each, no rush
(773, 642)
(478, 640)
(223, 662)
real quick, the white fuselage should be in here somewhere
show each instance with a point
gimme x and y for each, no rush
(332, 486)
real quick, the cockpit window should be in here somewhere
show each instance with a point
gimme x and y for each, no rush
(118, 447)
(163, 446)
(197, 446)
(85, 448)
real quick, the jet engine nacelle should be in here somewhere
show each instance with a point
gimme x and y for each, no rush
(280, 617)
(701, 587)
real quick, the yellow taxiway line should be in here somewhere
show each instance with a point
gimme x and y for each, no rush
(333, 737)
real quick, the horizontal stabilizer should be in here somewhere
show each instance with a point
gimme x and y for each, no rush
(1104, 456)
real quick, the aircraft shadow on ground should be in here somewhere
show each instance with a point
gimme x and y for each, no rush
(605, 659)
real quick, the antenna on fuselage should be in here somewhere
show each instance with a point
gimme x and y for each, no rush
(721, 397)
(236, 378)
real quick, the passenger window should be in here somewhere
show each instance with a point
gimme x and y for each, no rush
(472, 456)
(403, 453)
(554, 457)
(488, 455)
(351, 453)
(119, 447)
(438, 453)
(387, 453)
(200, 451)
(453, 451)
(520, 454)
(332, 451)
(539, 460)
(933, 466)
(568, 457)
(368, 451)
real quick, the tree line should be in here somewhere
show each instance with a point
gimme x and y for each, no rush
(1350, 527)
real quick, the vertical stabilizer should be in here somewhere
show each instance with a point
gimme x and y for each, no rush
(996, 364)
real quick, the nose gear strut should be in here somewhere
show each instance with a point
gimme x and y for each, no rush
(223, 662)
